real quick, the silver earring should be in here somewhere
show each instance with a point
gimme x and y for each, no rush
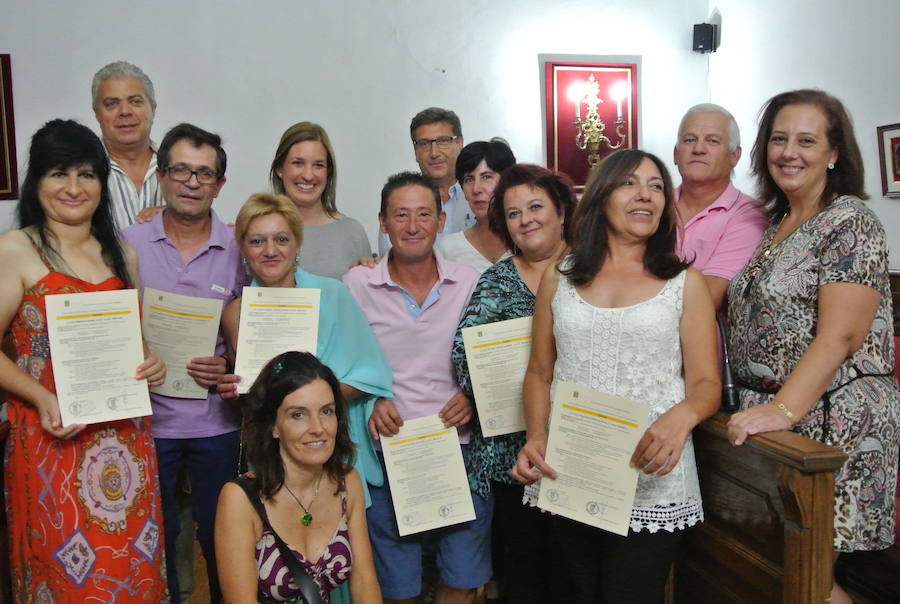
(830, 165)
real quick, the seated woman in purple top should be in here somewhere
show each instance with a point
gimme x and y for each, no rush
(297, 439)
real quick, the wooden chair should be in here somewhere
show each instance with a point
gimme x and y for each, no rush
(769, 520)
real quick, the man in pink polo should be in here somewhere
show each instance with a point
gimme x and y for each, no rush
(414, 299)
(722, 226)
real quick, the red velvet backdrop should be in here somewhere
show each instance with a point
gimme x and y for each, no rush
(562, 154)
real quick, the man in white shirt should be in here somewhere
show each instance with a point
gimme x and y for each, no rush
(125, 105)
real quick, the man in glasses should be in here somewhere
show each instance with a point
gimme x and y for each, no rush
(437, 140)
(187, 250)
(124, 105)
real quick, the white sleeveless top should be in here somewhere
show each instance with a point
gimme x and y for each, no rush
(633, 352)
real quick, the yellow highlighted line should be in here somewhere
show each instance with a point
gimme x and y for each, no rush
(282, 305)
(183, 314)
(95, 314)
(415, 438)
(502, 342)
(600, 415)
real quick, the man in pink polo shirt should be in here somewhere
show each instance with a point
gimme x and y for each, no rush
(722, 226)
(414, 299)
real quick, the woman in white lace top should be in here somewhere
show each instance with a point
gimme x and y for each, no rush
(623, 315)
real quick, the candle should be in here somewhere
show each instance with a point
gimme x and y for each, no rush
(576, 95)
(618, 109)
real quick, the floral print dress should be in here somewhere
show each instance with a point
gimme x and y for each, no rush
(773, 309)
(501, 294)
(84, 513)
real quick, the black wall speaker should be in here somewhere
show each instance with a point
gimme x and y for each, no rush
(705, 37)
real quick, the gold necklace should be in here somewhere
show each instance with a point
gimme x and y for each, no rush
(759, 260)
(307, 518)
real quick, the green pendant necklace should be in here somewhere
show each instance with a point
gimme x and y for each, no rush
(307, 518)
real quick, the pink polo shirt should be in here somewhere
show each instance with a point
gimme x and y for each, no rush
(417, 348)
(721, 238)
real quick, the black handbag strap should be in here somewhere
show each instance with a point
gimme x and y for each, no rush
(856, 373)
(308, 588)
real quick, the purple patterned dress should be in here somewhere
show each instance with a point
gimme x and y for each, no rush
(330, 570)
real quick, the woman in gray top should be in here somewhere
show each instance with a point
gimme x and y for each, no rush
(304, 169)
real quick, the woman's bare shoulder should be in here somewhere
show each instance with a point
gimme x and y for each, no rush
(17, 252)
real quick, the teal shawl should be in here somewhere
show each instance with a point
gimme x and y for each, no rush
(347, 345)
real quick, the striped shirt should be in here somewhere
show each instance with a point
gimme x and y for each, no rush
(127, 200)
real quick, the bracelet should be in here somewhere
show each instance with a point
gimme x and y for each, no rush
(785, 410)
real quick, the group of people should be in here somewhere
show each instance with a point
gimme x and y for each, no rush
(623, 286)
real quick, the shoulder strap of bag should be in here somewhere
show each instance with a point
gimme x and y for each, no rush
(308, 588)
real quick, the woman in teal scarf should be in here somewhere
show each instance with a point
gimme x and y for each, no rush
(270, 231)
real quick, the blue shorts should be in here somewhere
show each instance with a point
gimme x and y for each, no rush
(463, 550)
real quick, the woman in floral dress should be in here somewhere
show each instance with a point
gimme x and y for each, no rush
(811, 331)
(82, 501)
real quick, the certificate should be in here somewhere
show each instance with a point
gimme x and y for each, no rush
(427, 475)
(96, 346)
(274, 320)
(178, 329)
(497, 354)
(591, 440)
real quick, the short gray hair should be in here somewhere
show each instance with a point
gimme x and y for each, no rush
(121, 69)
(734, 133)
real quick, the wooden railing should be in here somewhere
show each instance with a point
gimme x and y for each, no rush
(769, 507)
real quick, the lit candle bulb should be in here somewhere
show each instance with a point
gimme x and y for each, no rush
(618, 92)
(576, 94)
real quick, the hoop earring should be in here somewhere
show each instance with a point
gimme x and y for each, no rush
(830, 165)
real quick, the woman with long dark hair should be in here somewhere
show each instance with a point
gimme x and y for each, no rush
(78, 496)
(624, 315)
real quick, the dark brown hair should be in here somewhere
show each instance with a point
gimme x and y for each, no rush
(590, 237)
(281, 376)
(406, 179)
(556, 185)
(848, 175)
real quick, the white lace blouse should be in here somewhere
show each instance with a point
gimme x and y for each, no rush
(633, 352)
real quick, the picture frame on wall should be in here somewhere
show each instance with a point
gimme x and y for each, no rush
(889, 156)
(9, 174)
(586, 99)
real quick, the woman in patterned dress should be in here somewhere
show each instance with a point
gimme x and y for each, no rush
(623, 315)
(811, 331)
(532, 214)
(82, 501)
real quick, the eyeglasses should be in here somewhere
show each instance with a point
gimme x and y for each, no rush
(183, 174)
(443, 142)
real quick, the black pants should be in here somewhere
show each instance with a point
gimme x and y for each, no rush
(526, 556)
(610, 569)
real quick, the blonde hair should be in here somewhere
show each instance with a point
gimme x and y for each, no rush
(263, 204)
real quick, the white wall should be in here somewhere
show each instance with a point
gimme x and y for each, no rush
(847, 48)
(362, 69)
